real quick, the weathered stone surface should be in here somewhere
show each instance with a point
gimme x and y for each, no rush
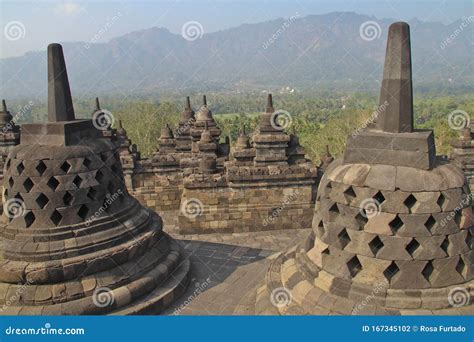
(83, 227)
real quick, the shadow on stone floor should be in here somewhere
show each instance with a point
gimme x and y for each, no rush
(221, 274)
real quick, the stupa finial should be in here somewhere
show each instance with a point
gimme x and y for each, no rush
(396, 95)
(270, 108)
(188, 103)
(204, 100)
(97, 104)
(60, 106)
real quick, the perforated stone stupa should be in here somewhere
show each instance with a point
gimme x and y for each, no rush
(392, 231)
(78, 243)
(463, 154)
(9, 135)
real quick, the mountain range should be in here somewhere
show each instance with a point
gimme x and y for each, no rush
(313, 52)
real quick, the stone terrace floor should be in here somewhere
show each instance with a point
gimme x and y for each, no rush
(226, 267)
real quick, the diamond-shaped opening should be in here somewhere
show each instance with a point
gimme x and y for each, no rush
(111, 188)
(28, 184)
(29, 219)
(92, 194)
(41, 167)
(441, 200)
(430, 223)
(321, 228)
(42, 200)
(56, 217)
(65, 167)
(99, 176)
(412, 246)
(115, 169)
(376, 245)
(350, 193)
(11, 182)
(469, 239)
(67, 198)
(344, 238)
(326, 251)
(396, 224)
(460, 266)
(20, 168)
(334, 208)
(457, 217)
(53, 183)
(329, 185)
(391, 271)
(354, 266)
(428, 270)
(77, 181)
(87, 162)
(410, 201)
(379, 197)
(82, 212)
(445, 245)
(361, 219)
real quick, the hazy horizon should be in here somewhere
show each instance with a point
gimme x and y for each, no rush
(42, 22)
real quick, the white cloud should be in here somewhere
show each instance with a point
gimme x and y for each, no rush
(68, 8)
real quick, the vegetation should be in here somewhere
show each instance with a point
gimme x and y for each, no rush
(319, 119)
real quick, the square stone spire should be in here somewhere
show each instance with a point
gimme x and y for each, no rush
(62, 128)
(396, 92)
(60, 106)
(391, 139)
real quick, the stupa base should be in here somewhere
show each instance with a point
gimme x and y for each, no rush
(294, 285)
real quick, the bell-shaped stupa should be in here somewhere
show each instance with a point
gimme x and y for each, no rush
(73, 240)
(392, 231)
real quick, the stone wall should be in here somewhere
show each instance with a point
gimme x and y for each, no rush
(160, 192)
(245, 209)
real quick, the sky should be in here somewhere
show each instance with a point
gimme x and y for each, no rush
(32, 25)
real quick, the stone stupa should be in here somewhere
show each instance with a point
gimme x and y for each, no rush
(392, 231)
(73, 241)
